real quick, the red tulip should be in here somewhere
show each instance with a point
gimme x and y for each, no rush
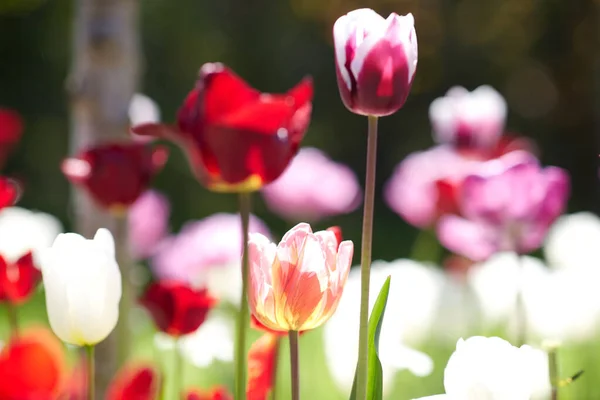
(218, 393)
(115, 174)
(18, 280)
(11, 128)
(262, 359)
(32, 366)
(9, 192)
(176, 308)
(134, 382)
(237, 138)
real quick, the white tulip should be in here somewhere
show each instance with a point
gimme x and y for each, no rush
(497, 282)
(492, 369)
(83, 287)
(22, 230)
(572, 242)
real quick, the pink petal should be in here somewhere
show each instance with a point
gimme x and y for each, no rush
(470, 239)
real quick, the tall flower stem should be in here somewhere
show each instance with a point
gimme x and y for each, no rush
(13, 320)
(553, 369)
(91, 370)
(129, 290)
(243, 316)
(177, 373)
(294, 360)
(365, 264)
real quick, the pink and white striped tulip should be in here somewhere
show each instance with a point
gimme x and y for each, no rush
(297, 285)
(468, 119)
(376, 60)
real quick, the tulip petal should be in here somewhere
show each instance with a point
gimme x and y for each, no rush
(349, 31)
(134, 381)
(344, 262)
(473, 240)
(299, 291)
(329, 244)
(262, 358)
(32, 366)
(223, 92)
(19, 279)
(104, 239)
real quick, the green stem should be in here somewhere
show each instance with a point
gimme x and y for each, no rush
(13, 320)
(91, 370)
(293, 336)
(365, 265)
(275, 367)
(178, 371)
(128, 291)
(553, 371)
(244, 315)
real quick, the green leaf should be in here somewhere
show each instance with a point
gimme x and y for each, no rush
(374, 370)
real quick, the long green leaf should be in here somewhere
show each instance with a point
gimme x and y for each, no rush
(374, 370)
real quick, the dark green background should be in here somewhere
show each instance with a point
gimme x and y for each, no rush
(542, 55)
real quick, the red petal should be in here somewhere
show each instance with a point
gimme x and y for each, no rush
(134, 382)
(262, 359)
(11, 127)
(337, 231)
(176, 308)
(447, 197)
(161, 131)
(10, 192)
(115, 174)
(32, 367)
(237, 138)
(18, 280)
(221, 93)
(218, 393)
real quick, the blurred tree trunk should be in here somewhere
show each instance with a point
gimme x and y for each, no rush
(103, 79)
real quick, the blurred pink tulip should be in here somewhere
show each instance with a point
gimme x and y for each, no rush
(376, 60)
(313, 187)
(148, 223)
(214, 241)
(505, 209)
(425, 184)
(297, 285)
(468, 119)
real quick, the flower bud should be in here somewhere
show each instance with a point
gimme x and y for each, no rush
(376, 60)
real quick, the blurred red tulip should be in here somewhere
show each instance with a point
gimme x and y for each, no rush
(11, 128)
(218, 393)
(135, 382)
(262, 360)
(115, 174)
(177, 309)
(9, 192)
(32, 366)
(18, 280)
(237, 139)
